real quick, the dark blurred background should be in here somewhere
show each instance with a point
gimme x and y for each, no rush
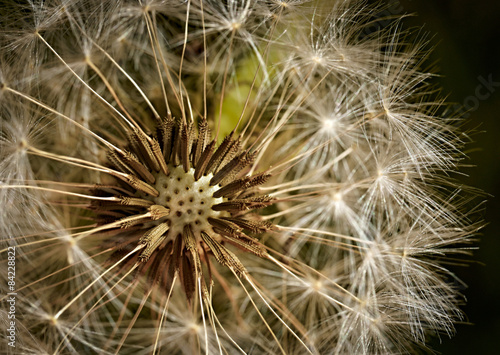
(465, 35)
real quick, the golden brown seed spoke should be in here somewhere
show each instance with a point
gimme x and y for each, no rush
(191, 246)
(135, 182)
(244, 204)
(202, 140)
(134, 163)
(187, 277)
(143, 147)
(231, 169)
(159, 211)
(255, 226)
(220, 153)
(204, 159)
(132, 201)
(222, 255)
(243, 242)
(186, 139)
(152, 239)
(224, 225)
(167, 129)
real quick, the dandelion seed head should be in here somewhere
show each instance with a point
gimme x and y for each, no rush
(225, 177)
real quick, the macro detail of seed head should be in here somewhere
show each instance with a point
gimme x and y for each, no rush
(182, 200)
(225, 177)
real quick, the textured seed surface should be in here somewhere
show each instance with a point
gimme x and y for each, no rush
(190, 201)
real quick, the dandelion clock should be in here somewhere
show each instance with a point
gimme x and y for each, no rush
(223, 177)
